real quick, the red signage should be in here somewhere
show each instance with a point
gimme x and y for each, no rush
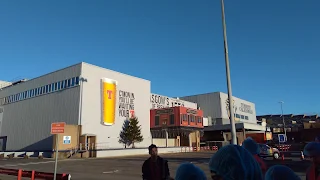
(57, 128)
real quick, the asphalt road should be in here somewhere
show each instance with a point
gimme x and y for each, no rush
(125, 167)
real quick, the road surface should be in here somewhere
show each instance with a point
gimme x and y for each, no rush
(125, 167)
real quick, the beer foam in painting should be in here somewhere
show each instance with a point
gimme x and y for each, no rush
(109, 92)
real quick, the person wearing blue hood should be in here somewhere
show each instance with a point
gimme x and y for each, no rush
(250, 145)
(280, 172)
(233, 162)
(188, 171)
(313, 150)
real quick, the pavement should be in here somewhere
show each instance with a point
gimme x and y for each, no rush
(119, 168)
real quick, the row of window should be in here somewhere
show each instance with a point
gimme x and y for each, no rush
(190, 118)
(183, 117)
(241, 116)
(49, 88)
(157, 120)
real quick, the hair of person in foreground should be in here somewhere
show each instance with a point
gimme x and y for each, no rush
(250, 145)
(233, 162)
(280, 172)
(188, 171)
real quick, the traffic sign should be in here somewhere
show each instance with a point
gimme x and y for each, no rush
(66, 139)
(282, 138)
(57, 128)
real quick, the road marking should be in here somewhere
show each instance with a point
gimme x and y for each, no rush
(35, 163)
(110, 172)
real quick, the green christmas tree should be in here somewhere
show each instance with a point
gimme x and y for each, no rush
(134, 131)
(124, 134)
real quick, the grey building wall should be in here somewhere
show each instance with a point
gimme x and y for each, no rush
(26, 123)
(209, 103)
(91, 111)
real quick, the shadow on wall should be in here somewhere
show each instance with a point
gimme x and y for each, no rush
(42, 145)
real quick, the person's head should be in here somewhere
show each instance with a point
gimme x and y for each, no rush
(188, 171)
(313, 150)
(280, 172)
(250, 145)
(153, 150)
(234, 162)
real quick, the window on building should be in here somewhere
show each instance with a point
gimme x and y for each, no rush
(49, 88)
(56, 86)
(65, 84)
(52, 87)
(77, 81)
(242, 116)
(157, 120)
(69, 83)
(199, 120)
(171, 118)
(61, 84)
(73, 81)
(237, 116)
(181, 118)
(246, 118)
(41, 90)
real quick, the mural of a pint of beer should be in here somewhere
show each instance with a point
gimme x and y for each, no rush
(109, 93)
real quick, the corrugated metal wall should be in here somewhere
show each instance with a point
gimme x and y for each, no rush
(209, 103)
(27, 123)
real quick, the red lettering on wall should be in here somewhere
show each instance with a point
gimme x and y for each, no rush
(109, 92)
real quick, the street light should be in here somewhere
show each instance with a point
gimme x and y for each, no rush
(284, 124)
(231, 110)
(81, 83)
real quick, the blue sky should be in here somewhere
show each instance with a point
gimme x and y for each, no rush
(177, 44)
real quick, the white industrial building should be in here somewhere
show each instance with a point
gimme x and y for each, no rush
(71, 95)
(74, 95)
(215, 107)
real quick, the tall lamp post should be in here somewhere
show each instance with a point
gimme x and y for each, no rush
(284, 124)
(231, 110)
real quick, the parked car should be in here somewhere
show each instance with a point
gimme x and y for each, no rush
(268, 151)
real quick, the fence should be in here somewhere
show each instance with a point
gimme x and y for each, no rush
(33, 174)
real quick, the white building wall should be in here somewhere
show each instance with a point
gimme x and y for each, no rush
(214, 105)
(91, 120)
(158, 101)
(4, 84)
(205, 121)
(245, 111)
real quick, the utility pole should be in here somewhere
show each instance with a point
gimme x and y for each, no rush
(231, 110)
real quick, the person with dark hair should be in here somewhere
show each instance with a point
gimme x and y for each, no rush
(155, 167)
(250, 145)
(233, 162)
(280, 172)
